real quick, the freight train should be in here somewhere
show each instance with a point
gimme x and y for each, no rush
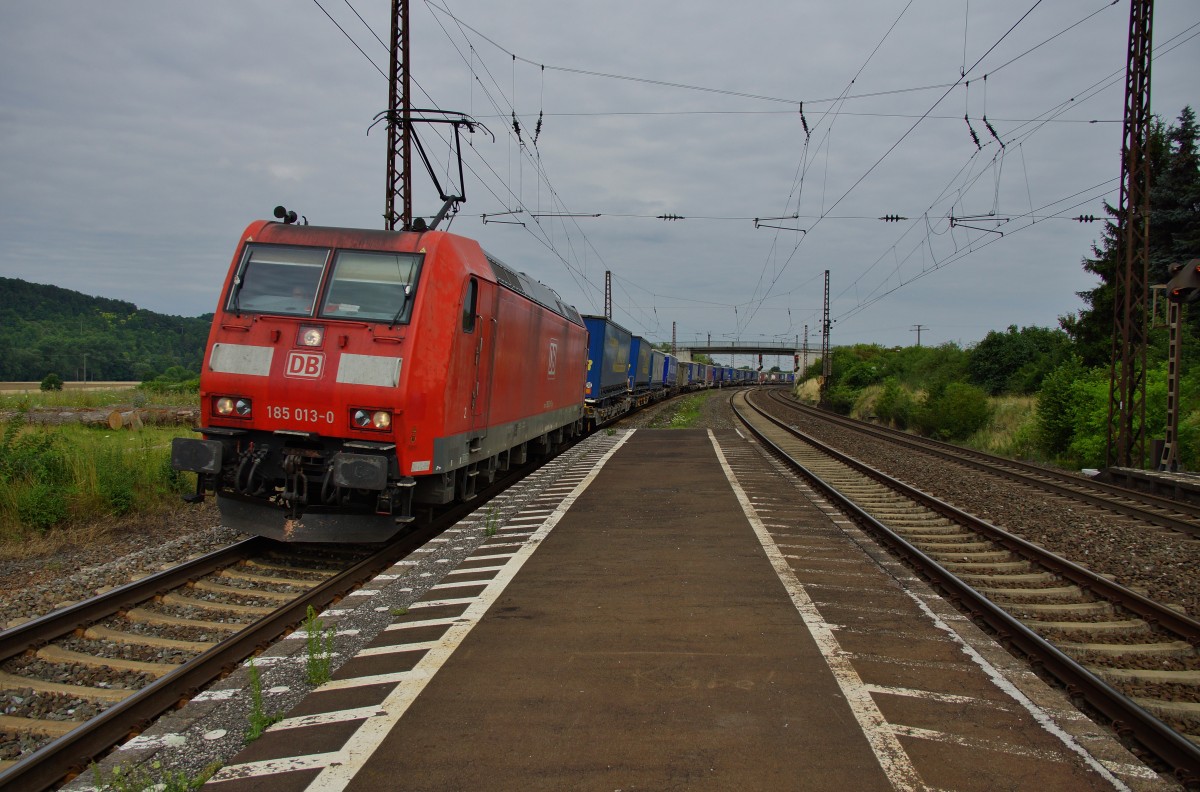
(354, 379)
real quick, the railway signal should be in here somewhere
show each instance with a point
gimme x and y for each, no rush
(1184, 286)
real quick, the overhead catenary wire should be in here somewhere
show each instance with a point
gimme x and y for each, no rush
(571, 254)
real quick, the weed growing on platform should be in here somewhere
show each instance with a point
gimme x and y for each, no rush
(490, 522)
(399, 611)
(320, 649)
(687, 412)
(259, 719)
(141, 779)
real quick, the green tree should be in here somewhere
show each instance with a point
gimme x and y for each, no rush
(1174, 235)
(1016, 361)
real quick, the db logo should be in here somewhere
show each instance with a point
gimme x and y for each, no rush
(305, 365)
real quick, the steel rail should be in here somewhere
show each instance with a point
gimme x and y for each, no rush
(1059, 483)
(56, 624)
(69, 755)
(1127, 717)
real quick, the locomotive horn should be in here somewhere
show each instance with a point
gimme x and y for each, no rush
(286, 216)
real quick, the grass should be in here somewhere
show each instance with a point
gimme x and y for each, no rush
(320, 649)
(151, 779)
(1011, 432)
(260, 721)
(686, 414)
(58, 479)
(25, 400)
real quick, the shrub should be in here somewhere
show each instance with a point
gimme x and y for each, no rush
(840, 399)
(954, 412)
(895, 405)
(52, 382)
(1057, 404)
(40, 506)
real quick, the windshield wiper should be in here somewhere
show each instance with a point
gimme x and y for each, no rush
(403, 305)
(237, 296)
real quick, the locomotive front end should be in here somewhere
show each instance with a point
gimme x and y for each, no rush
(302, 390)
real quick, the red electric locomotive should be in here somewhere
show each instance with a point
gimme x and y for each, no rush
(353, 376)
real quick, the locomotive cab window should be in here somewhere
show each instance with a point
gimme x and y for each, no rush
(470, 300)
(277, 279)
(372, 286)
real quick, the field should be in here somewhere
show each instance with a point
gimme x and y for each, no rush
(67, 480)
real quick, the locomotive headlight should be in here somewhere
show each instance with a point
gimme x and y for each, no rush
(311, 336)
(372, 419)
(229, 406)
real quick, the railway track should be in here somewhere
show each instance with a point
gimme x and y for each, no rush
(1131, 659)
(125, 657)
(107, 667)
(1140, 505)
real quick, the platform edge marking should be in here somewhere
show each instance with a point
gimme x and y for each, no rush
(890, 754)
(1043, 718)
(334, 777)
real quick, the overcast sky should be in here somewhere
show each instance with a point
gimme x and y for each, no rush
(138, 138)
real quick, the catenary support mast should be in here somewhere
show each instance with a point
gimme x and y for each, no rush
(399, 126)
(1127, 377)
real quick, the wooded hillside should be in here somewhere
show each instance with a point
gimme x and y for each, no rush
(46, 329)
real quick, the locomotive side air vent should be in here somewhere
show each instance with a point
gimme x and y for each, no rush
(533, 289)
(506, 276)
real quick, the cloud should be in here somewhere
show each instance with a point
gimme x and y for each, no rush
(139, 140)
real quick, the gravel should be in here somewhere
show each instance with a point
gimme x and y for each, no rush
(31, 587)
(1158, 563)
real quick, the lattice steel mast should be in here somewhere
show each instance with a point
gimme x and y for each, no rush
(399, 125)
(826, 361)
(1127, 378)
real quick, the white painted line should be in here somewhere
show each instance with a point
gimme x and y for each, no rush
(968, 742)
(412, 625)
(890, 754)
(846, 561)
(460, 584)
(396, 677)
(1042, 717)
(376, 651)
(274, 767)
(441, 602)
(322, 718)
(932, 695)
(494, 557)
(158, 741)
(469, 570)
(340, 769)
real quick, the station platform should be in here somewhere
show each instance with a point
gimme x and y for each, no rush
(676, 612)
